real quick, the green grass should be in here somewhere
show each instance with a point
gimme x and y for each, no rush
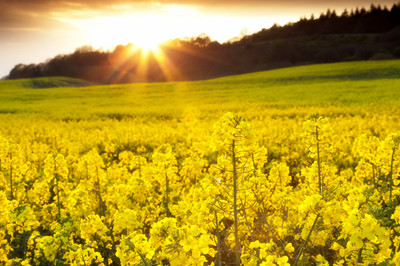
(45, 83)
(371, 84)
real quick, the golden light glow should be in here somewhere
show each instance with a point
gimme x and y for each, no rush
(107, 32)
(149, 45)
(148, 26)
(145, 26)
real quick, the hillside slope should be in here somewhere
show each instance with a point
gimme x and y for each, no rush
(44, 83)
(360, 84)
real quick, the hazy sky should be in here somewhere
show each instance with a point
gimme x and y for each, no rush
(32, 31)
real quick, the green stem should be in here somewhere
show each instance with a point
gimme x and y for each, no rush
(235, 210)
(58, 200)
(391, 174)
(56, 257)
(142, 258)
(359, 259)
(83, 259)
(320, 182)
(10, 175)
(101, 209)
(305, 241)
(219, 260)
(58, 191)
(166, 193)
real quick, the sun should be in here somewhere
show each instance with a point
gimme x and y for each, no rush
(145, 28)
(148, 44)
(112, 31)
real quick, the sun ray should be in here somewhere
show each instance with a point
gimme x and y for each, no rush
(121, 58)
(169, 70)
(142, 67)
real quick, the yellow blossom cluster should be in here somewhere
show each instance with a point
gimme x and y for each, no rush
(265, 190)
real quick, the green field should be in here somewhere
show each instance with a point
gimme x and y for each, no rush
(141, 174)
(353, 84)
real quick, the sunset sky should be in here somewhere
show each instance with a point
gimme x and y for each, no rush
(32, 31)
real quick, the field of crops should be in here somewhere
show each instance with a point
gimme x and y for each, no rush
(296, 166)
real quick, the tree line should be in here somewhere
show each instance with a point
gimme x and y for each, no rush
(358, 34)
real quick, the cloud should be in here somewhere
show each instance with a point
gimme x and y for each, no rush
(24, 17)
(19, 12)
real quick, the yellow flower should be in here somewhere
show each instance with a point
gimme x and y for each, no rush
(289, 248)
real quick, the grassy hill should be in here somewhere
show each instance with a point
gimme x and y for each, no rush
(373, 84)
(44, 83)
